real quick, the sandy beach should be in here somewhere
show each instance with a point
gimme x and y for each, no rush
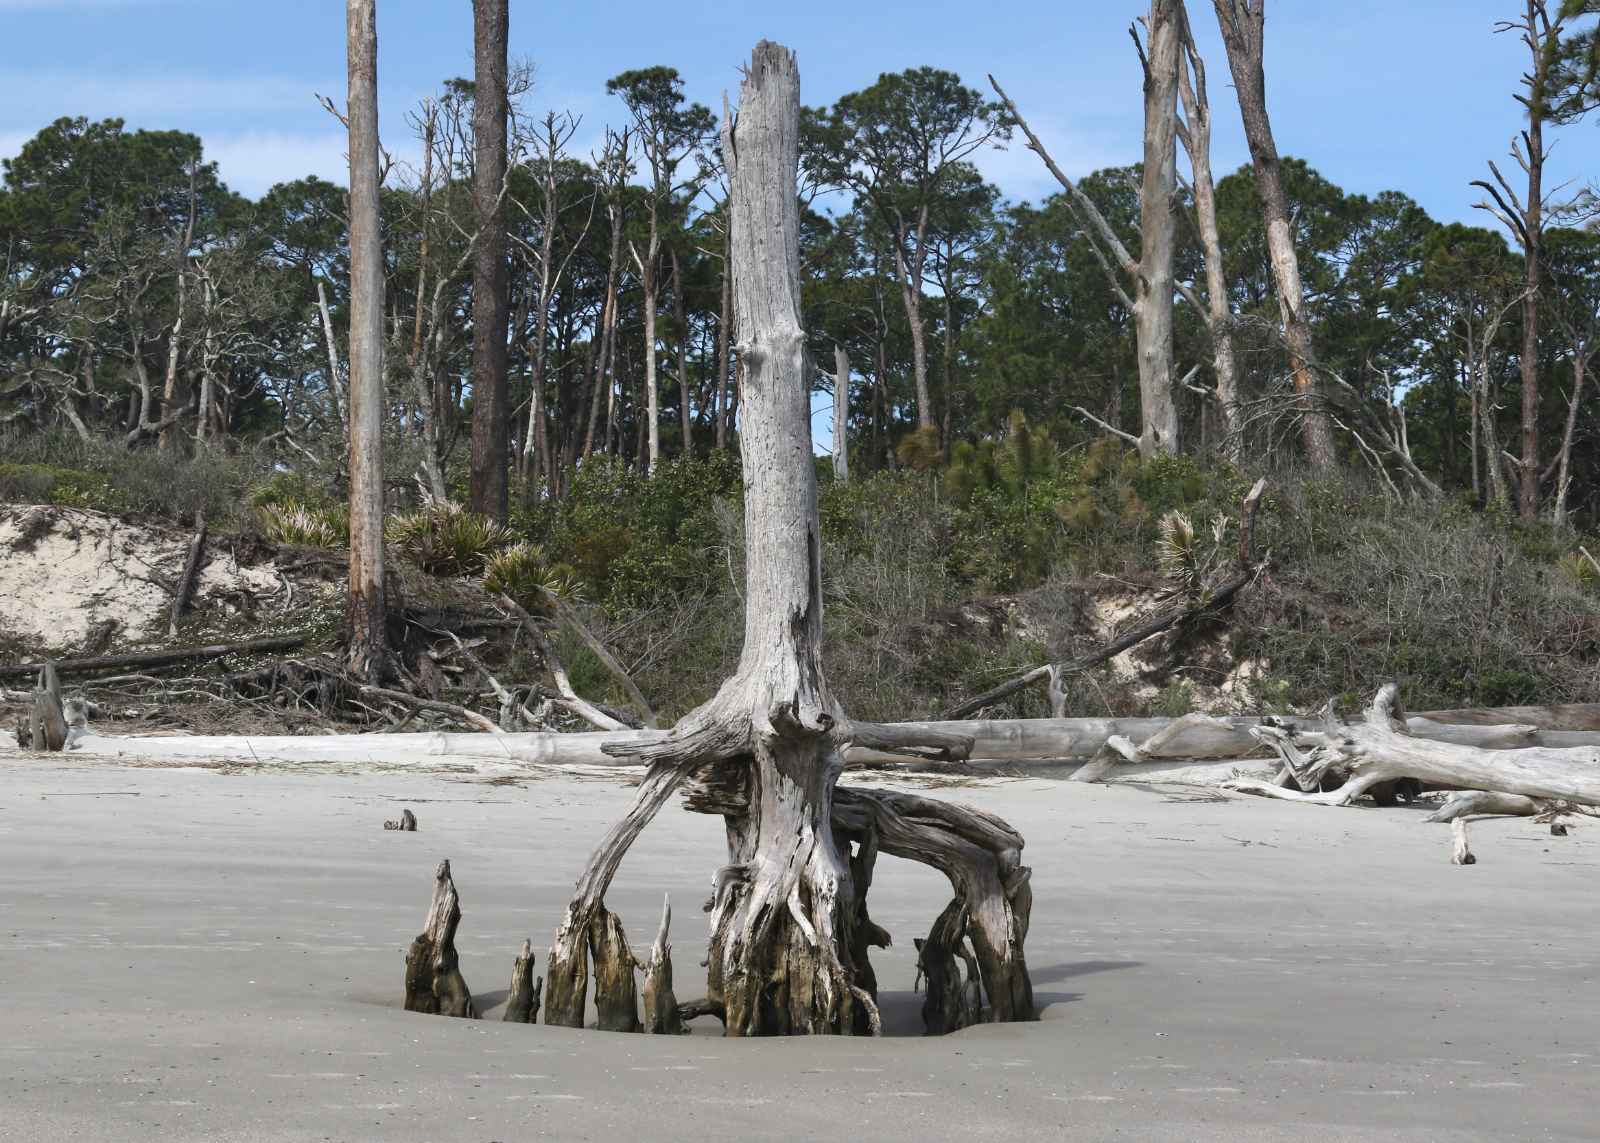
(202, 955)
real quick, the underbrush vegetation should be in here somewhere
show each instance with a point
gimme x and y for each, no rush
(944, 579)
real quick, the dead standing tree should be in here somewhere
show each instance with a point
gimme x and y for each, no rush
(490, 270)
(1149, 277)
(1243, 24)
(1194, 131)
(788, 918)
(369, 654)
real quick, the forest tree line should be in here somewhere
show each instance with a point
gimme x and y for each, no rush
(146, 303)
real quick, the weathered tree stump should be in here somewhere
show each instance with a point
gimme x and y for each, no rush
(661, 1015)
(785, 955)
(434, 984)
(48, 728)
(522, 1003)
(406, 824)
(616, 999)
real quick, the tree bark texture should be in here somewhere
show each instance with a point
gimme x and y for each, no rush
(1157, 229)
(368, 654)
(490, 274)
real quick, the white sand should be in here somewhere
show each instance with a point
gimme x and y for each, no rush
(191, 956)
(81, 568)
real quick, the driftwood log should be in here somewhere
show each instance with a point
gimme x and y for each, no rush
(434, 983)
(1380, 748)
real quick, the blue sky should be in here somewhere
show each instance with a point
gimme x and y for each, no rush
(1349, 88)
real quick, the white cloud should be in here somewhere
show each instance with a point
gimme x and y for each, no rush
(250, 162)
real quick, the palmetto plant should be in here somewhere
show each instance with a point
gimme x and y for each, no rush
(445, 539)
(294, 523)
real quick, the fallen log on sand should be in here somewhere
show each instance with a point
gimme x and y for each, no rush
(1042, 741)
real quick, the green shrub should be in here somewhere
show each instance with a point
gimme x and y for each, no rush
(46, 484)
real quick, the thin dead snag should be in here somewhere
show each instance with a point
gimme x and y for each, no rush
(522, 1002)
(434, 984)
(788, 925)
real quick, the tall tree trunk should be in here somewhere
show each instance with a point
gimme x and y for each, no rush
(369, 653)
(1533, 235)
(1157, 228)
(208, 364)
(1243, 26)
(908, 272)
(604, 368)
(490, 303)
(841, 414)
(680, 318)
(652, 392)
(1196, 136)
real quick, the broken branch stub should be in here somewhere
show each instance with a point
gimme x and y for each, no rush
(434, 984)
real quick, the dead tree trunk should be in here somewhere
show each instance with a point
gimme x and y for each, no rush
(434, 984)
(1243, 24)
(490, 278)
(1195, 133)
(369, 654)
(1153, 285)
(782, 948)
